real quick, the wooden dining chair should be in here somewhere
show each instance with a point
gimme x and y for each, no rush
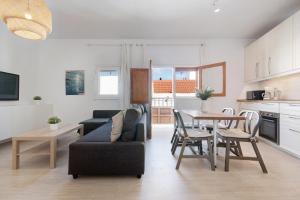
(177, 140)
(191, 137)
(175, 128)
(247, 133)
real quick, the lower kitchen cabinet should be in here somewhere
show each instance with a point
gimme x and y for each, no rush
(290, 133)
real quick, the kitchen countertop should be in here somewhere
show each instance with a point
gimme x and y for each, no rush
(270, 101)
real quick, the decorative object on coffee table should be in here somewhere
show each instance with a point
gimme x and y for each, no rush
(204, 95)
(54, 121)
(75, 82)
(37, 100)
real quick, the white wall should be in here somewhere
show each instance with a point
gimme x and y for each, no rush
(57, 56)
(19, 56)
(288, 85)
(42, 67)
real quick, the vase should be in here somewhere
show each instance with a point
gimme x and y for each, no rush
(53, 127)
(204, 106)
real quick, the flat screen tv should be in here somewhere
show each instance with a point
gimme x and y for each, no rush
(9, 87)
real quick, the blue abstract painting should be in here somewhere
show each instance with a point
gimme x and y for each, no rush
(75, 82)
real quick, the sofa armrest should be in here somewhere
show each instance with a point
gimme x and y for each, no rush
(106, 158)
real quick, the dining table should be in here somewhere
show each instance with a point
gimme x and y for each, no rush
(215, 118)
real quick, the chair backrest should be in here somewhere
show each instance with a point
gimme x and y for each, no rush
(175, 118)
(252, 123)
(230, 111)
(180, 124)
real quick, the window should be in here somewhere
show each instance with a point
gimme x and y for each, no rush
(108, 82)
(186, 81)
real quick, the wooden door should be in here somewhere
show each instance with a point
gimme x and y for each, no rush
(139, 86)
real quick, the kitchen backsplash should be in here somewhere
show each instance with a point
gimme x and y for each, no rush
(288, 85)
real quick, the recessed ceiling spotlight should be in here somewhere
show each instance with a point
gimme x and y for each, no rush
(216, 8)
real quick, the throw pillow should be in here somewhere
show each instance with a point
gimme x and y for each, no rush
(131, 120)
(117, 126)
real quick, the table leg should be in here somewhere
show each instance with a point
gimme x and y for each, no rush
(81, 131)
(193, 126)
(215, 126)
(53, 148)
(15, 154)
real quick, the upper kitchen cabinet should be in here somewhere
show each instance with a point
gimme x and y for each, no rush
(272, 54)
(280, 48)
(297, 40)
(255, 60)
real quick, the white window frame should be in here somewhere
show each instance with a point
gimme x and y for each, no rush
(98, 95)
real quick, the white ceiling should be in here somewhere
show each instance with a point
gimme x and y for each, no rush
(172, 19)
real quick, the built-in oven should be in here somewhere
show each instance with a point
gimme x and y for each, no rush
(269, 128)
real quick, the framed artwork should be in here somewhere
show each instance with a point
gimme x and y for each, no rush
(75, 82)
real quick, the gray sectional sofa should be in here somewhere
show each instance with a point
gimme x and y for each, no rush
(94, 154)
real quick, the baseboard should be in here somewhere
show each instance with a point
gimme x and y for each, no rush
(279, 147)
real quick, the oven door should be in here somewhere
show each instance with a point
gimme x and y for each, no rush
(269, 129)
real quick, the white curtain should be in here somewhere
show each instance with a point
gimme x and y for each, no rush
(125, 72)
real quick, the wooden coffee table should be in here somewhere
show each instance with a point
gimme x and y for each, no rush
(42, 135)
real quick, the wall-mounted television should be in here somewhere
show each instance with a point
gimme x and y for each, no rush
(9, 86)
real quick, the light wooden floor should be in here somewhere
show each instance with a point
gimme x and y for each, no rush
(194, 180)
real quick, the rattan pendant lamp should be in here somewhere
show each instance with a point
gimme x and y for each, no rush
(30, 19)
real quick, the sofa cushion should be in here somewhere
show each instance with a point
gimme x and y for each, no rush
(117, 126)
(131, 120)
(101, 134)
(104, 113)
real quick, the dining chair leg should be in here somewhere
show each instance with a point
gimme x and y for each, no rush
(239, 148)
(210, 155)
(227, 154)
(200, 147)
(259, 157)
(175, 144)
(181, 154)
(174, 134)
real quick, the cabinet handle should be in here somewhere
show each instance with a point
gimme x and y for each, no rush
(294, 130)
(294, 118)
(269, 120)
(269, 104)
(294, 105)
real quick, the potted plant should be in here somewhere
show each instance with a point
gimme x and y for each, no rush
(37, 100)
(204, 95)
(54, 121)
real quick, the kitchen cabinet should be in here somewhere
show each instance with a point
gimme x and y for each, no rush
(280, 48)
(296, 28)
(255, 60)
(272, 54)
(289, 136)
(290, 133)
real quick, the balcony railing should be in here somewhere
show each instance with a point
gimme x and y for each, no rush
(163, 102)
